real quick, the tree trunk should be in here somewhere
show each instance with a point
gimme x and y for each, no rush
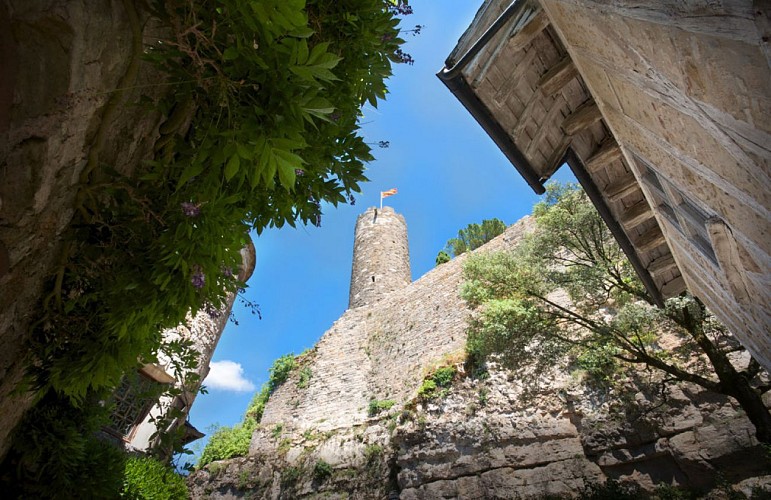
(733, 383)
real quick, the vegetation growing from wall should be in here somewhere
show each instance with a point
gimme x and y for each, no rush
(146, 478)
(472, 237)
(611, 326)
(438, 383)
(229, 442)
(377, 406)
(261, 127)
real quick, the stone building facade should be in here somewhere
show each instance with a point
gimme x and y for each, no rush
(133, 423)
(353, 427)
(663, 112)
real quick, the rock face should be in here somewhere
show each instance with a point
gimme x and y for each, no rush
(61, 63)
(357, 429)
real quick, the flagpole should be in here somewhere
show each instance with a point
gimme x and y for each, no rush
(381, 201)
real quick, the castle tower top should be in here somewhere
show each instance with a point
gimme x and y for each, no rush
(381, 256)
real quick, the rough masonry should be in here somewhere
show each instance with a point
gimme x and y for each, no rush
(328, 439)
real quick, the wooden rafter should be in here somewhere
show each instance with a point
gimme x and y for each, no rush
(605, 155)
(585, 115)
(557, 76)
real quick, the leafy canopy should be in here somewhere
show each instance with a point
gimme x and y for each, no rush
(474, 236)
(260, 127)
(569, 293)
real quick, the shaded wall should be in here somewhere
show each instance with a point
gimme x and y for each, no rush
(686, 90)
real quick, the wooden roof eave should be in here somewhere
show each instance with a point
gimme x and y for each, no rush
(453, 79)
(595, 195)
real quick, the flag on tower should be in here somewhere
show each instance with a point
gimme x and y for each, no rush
(386, 194)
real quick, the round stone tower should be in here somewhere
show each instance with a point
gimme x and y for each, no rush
(381, 256)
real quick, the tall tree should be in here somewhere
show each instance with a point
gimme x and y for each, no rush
(609, 321)
(474, 236)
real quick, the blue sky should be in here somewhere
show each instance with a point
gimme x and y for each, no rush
(448, 172)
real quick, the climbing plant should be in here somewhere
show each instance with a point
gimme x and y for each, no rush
(261, 126)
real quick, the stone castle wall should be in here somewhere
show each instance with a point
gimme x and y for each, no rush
(379, 350)
(482, 440)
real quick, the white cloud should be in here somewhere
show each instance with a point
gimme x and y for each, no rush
(228, 376)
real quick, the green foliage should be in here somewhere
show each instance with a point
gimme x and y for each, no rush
(56, 453)
(669, 492)
(278, 429)
(609, 324)
(442, 257)
(148, 478)
(377, 406)
(612, 490)
(257, 405)
(571, 249)
(262, 127)
(474, 236)
(280, 371)
(228, 442)
(427, 389)
(444, 376)
(305, 377)
(372, 452)
(441, 379)
(290, 476)
(322, 470)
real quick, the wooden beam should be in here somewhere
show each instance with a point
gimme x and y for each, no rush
(608, 152)
(508, 86)
(524, 117)
(556, 158)
(585, 115)
(527, 33)
(661, 264)
(673, 288)
(650, 239)
(625, 186)
(548, 124)
(557, 76)
(636, 214)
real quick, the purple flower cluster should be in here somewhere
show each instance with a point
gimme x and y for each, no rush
(198, 279)
(299, 172)
(212, 311)
(401, 8)
(191, 209)
(227, 272)
(403, 57)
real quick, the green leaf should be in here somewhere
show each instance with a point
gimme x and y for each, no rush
(244, 151)
(192, 170)
(232, 167)
(230, 54)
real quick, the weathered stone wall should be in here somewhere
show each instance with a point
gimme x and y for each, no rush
(61, 62)
(379, 351)
(483, 440)
(686, 88)
(381, 256)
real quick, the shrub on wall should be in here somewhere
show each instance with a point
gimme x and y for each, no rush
(228, 442)
(147, 478)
